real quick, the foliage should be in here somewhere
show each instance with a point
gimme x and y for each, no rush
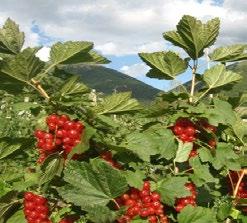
(181, 140)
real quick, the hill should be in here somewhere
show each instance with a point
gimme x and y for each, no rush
(107, 80)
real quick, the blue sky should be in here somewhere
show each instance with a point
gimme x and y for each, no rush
(121, 29)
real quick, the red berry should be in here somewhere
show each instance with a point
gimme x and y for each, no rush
(152, 219)
(178, 130)
(144, 193)
(146, 185)
(68, 125)
(52, 119)
(59, 133)
(39, 200)
(155, 196)
(146, 199)
(39, 134)
(190, 131)
(130, 202)
(144, 213)
(28, 196)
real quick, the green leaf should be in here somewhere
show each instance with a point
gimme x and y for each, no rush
(93, 184)
(172, 188)
(224, 210)
(8, 203)
(118, 103)
(167, 145)
(135, 179)
(73, 87)
(22, 106)
(17, 217)
(11, 39)
(196, 215)
(91, 57)
(217, 76)
(24, 66)
(221, 113)
(205, 155)
(167, 64)
(8, 146)
(194, 36)
(101, 214)
(52, 166)
(229, 53)
(142, 144)
(240, 129)
(201, 173)
(69, 52)
(183, 151)
(225, 157)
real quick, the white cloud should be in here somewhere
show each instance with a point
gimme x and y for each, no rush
(44, 53)
(135, 70)
(121, 27)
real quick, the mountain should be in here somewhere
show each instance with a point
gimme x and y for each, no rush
(107, 80)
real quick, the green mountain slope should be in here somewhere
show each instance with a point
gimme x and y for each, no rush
(107, 80)
(241, 86)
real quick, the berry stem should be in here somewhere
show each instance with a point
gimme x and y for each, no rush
(238, 183)
(231, 181)
(116, 203)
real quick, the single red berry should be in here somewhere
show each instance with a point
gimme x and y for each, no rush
(68, 125)
(155, 196)
(144, 213)
(144, 193)
(39, 134)
(178, 130)
(52, 119)
(190, 131)
(146, 185)
(130, 202)
(152, 219)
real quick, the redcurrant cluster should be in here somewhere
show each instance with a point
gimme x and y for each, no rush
(36, 208)
(63, 135)
(143, 203)
(190, 200)
(187, 131)
(107, 156)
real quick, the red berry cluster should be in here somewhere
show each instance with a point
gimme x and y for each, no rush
(36, 208)
(63, 135)
(190, 200)
(107, 156)
(143, 203)
(187, 131)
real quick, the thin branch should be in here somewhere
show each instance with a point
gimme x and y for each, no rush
(39, 88)
(116, 203)
(193, 82)
(232, 185)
